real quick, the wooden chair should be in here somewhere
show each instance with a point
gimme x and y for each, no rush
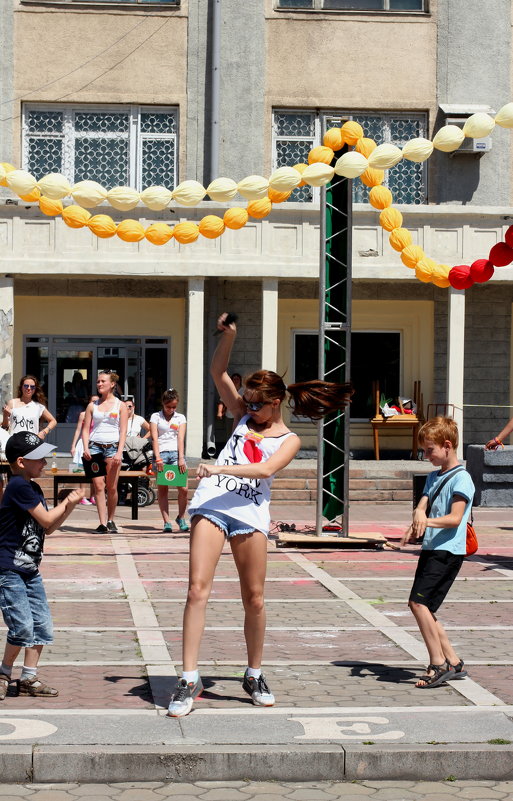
(411, 421)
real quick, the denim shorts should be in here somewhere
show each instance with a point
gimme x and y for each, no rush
(230, 526)
(168, 457)
(108, 451)
(25, 609)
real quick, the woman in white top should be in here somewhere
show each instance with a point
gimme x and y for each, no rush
(24, 413)
(77, 452)
(232, 500)
(104, 431)
(136, 422)
(168, 442)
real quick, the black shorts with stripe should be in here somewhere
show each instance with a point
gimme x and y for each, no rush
(434, 577)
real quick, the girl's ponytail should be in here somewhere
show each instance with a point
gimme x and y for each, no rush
(316, 399)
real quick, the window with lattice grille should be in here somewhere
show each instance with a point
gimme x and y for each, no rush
(116, 146)
(355, 5)
(296, 132)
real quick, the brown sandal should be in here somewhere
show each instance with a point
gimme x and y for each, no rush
(35, 687)
(4, 685)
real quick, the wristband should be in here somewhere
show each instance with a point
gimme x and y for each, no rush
(498, 441)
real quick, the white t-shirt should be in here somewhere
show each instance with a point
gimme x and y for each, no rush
(25, 417)
(135, 425)
(167, 430)
(245, 499)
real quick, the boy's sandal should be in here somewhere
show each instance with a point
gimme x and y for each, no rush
(35, 687)
(4, 685)
(459, 670)
(441, 673)
(427, 676)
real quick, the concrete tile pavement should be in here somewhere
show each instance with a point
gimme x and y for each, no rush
(342, 654)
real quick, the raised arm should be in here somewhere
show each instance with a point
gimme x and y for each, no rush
(219, 369)
(7, 414)
(52, 519)
(497, 441)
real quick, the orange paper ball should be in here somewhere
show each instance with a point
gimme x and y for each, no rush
(333, 139)
(390, 219)
(260, 208)
(300, 168)
(102, 226)
(411, 256)
(460, 277)
(130, 231)
(365, 146)
(76, 216)
(400, 238)
(320, 154)
(211, 226)
(380, 197)
(278, 197)
(186, 232)
(235, 218)
(441, 276)
(158, 233)
(50, 207)
(351, 132)
(372, 177)
(424, 269)
(33, 196)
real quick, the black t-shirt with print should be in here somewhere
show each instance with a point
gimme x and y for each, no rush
(21, 536)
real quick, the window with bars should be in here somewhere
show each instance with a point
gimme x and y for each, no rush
(355, 5)
(116, 146)
(296, 132)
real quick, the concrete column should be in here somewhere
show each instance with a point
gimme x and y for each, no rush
(195, 366)
(10, 109)
(270, 324)
(6, 338)
(456, 357)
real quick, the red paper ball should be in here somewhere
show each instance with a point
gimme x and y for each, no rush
(501, 254)
(460, 277)
(481, 271)
(509, 236)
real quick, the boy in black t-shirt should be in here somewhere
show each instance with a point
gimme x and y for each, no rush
(24, 522)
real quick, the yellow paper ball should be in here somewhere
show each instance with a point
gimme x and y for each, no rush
(222, 190)
(123, 198)
(333, 139)
(284, 179)
(321, 154)
(300, 168)
(102, 226)
(372, 177)
(365, 146)
(478, 125)
(351, 132)
(440, 275)
(156, 198)
(253, 187)
(5, 167)
(21, 182)
(88, 194)
(278, 197)
(400, 238)
(260, 208)
(235, 218)
(424, 269)
(318, 174)
(390, 219)
(50, 207)
(504, 116)
(384, 157)
(76, 216)
(33, 196)
(418, 149)
(351, 165)
(449, 138)
(158, 233)
(211, 226)
(54, 185)
(380, 197)
(189, 193)
(186, 232)
(130, 231)
(411, 256)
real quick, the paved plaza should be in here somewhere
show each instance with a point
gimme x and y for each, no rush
(342, 656)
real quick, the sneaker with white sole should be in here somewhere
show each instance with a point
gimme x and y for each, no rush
(258, 690)
(183, 697)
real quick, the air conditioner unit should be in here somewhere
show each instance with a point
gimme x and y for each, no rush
(469, 146)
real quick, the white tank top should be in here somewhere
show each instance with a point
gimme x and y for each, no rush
(246, 499)
(105, 428)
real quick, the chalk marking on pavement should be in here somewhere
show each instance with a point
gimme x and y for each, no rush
(151, 640)
(322, 728)
(467, 687)
(24, 729)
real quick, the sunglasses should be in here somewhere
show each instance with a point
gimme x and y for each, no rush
(254, 407)
(29, 386)
(129, 407)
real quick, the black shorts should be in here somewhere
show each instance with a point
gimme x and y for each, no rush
(434, 577)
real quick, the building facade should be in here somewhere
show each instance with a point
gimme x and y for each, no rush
(123, 93)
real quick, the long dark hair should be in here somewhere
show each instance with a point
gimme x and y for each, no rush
(313, 399)
(38, 395)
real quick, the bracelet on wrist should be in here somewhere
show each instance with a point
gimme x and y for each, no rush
(498, 441)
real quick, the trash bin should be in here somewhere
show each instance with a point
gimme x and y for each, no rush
(419, 479)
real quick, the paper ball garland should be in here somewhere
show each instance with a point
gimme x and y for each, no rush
(333, 139)
(260, 208)
(235, 218)
(411, 256)
(222, 189)
(318, 174)
(50, 207)
(384, 157)
(460, 278)
(278, 197)
(504, 116)
(351, 132)
(88, 194)
(102, 226)
(351, 165)
(448, 139)
(55, 186)
(380, 197)
(390, 219)
(21, 182)
(418, 150)
(478, 125)
(509, 236)
(211, 226)
(254, 187)
(123, 198)
(284, 179)
(501, 254)
(186, 232)
(481, 271)
(158, 233)
(372, 177)
(365, 146)
(156, 198)
(440, 276)
(76, 216)
(300, 168)
(400, 238)
(5, 167)
(33, 196)
(321, 154)
(189, 193)
(130, 231)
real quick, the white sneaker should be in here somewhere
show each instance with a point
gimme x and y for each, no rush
(183, 697)
(85, 502)
(258, 690)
